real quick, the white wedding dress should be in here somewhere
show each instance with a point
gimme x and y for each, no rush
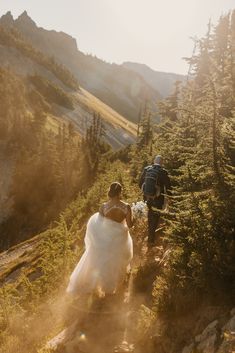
(108, 252)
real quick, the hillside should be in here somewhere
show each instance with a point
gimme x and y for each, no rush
(120, 131)
(120, 88)
(179, 295)
(160, 81)
(46, 117)
(49, 97)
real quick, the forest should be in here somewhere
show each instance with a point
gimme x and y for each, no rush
(63, 179)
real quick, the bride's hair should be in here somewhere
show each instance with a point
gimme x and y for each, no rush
(115, 189)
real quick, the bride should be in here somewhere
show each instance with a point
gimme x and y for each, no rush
(108, 247)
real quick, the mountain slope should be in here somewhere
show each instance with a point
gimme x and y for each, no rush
(26, 61)
(44, 113)
(119, 131)
(122, 89)
(160, 81)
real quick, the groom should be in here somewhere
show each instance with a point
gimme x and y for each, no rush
(155, 177)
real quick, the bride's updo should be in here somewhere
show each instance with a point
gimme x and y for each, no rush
(115, 189)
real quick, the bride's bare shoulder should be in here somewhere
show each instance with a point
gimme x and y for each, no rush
(125, 203)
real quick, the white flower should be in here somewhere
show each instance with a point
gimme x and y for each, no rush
(139, 209)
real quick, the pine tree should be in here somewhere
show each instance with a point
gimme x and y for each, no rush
(93, 147)
(145, 129)
(197, 143)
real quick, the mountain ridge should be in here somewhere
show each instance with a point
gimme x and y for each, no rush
(159, 80)
(26, 62)
(124, 89)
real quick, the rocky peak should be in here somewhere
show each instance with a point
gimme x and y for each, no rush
(49, 41)
(7, 19)
(25, 20)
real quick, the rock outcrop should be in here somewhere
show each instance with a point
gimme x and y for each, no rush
(214, 338)
(52, 43)
(7, 20)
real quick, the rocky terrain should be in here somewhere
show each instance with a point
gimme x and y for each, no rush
(217, 337)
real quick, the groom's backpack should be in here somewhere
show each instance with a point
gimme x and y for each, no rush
(151, 186)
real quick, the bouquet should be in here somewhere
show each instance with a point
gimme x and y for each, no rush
(139, 209)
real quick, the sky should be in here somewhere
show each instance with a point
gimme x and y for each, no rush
(153, 32)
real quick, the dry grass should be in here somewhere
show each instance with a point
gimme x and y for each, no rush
(108, 114)
(53, 123)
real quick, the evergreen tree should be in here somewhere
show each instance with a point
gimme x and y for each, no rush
(145, 129)
(197, 144)
(92, 147)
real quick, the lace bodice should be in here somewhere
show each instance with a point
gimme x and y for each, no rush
(106, 208)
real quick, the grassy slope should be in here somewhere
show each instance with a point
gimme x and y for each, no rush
(119, 132)
(108, 114)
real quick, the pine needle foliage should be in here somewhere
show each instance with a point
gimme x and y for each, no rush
(198, 143)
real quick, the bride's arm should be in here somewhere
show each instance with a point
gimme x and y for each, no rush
(129, 217)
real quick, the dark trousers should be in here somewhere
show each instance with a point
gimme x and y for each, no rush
(153, 220)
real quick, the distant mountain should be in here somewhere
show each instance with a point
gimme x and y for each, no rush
(160, 81)
(59, 88)
(122, 89)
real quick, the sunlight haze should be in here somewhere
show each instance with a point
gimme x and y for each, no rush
(156, 33)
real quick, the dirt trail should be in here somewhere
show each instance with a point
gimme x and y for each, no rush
(106, 325)
(99, 329)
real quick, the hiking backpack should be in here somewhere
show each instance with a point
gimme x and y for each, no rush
(151, 187)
